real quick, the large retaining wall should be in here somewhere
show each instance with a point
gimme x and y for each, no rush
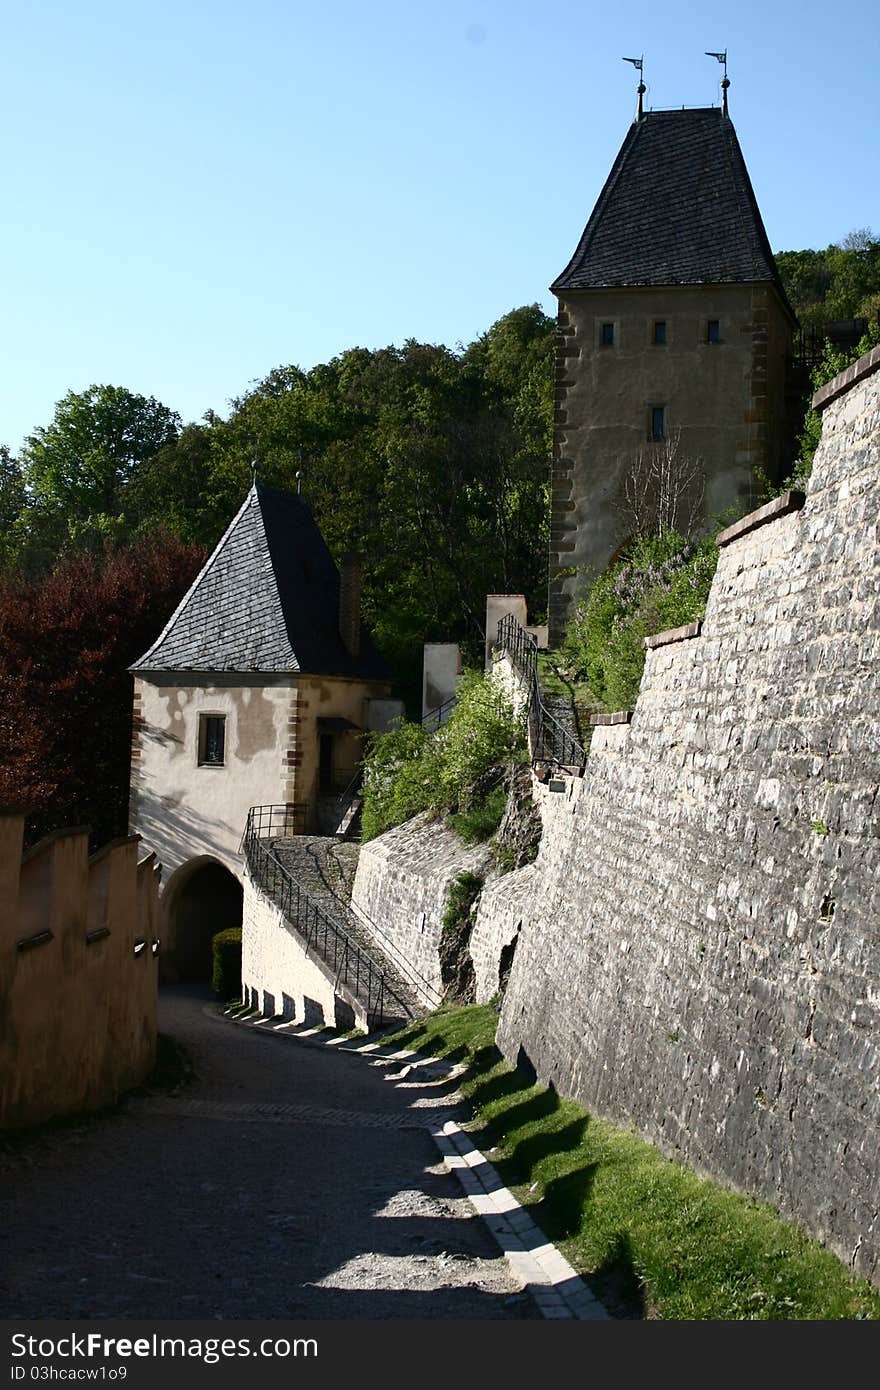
(78, 943)
(400, 890)
(699, 953)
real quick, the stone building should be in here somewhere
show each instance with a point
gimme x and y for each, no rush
(673, 336)
(257, 692)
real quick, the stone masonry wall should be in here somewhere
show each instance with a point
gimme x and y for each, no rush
(400, 888)
(700, 950)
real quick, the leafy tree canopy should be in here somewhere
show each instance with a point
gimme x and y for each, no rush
(66, 641)
(74, 468)
(841, 282)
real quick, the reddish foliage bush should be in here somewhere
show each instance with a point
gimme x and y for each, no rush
(65, 692)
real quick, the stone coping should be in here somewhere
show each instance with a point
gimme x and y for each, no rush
(840, 384)
(621, 716)
(787, 502)
(673, 634)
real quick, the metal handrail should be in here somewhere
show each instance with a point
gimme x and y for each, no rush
(438, 716)
(550, 742)
(321, 932)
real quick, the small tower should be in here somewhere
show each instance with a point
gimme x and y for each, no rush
(673, 325)
(258, 691)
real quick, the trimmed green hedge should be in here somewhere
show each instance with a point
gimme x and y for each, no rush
(226, 952)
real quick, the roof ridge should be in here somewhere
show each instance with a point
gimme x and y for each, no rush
(266, 600)
(677, 208)
(602, 200)
(197, 582)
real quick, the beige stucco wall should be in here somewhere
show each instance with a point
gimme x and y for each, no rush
(727, 399)
(320, 697)
(77, 1010)
(183, 811)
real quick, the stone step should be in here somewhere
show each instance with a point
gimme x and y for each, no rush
(324, 867)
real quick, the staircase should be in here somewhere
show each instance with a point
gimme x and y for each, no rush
(309, 878)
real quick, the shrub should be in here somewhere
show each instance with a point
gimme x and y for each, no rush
(481, 820)
(408, 771)
(833, 360)
(400, 773)
(662, 582)
(226, 952)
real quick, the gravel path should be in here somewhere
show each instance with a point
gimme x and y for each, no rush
(289, 1181)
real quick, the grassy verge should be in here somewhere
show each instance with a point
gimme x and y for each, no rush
(654, 1239)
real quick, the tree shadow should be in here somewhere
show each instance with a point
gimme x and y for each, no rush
(561, 1209)
(533, 1150)
(535, 1106)
(618, 1283)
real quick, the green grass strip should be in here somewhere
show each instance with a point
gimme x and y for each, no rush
(654, 1239)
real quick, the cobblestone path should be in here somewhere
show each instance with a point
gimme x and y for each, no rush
(288, 1181)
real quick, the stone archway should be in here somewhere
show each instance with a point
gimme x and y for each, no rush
(202, 897)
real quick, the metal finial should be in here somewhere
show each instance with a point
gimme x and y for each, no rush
(255, 464)
(299, 482)
(639, 65)
(725, 81)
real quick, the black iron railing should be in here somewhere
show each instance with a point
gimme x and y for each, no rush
(435, 717)
(320, 932)
(550, 742)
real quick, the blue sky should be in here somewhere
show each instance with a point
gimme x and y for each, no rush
(196, 192)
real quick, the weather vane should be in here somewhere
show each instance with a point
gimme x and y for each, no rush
(639, 65)
(725, 81)
(255, 463)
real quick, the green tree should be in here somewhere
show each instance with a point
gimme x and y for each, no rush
(12, 503)
(840, 282)
(76, 467)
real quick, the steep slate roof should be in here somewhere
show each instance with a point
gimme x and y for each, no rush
(677, 209)
(267, 600)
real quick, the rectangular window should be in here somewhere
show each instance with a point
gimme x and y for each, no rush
(660, 332)
(713, 331)
(212, 740)
(658, 421)
(607, 338)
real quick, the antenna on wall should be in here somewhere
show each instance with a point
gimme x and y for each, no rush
(639, 65)
(725, 81)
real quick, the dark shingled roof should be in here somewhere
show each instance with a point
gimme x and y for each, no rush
(677, 209)
(266, 600)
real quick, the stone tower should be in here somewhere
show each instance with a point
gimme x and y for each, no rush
(673, 336)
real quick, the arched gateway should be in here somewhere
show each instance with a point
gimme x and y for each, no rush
(200, 899)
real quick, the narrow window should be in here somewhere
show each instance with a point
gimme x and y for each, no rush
(713, 331)
(660, 332)
(212, 740)
(608, 335)
(658, 421)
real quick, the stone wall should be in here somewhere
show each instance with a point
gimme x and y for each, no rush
(401, 886)
(699, 953)
(78, 937)
(281, 977)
